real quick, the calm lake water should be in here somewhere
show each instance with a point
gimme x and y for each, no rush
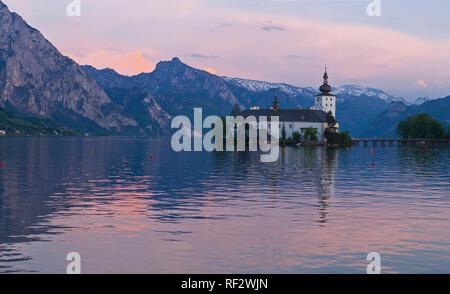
(131, 205)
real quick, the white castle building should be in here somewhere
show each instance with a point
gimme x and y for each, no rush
(297, 120)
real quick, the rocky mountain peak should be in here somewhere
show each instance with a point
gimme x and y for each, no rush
(172, 67)
(36, 79)
(397, 106)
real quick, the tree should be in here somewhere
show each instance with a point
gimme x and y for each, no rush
(296, 137)
(421, 126)
(331, 121)
(235, 111)
(339, 139)
(404, 127)
(310, 134)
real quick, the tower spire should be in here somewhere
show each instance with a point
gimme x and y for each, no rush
(325, 88)
(276, 104)
(325, 77)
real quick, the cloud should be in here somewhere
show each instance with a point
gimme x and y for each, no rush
(199, 55)
(293, 56)
(129, 63)
(210, 70)
(272, 28)
(145, 32)
(421, 83)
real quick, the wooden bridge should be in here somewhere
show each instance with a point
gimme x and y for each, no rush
(399, 142)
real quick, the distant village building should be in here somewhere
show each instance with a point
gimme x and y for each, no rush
(297, 120)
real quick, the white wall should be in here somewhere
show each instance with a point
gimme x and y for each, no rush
(292, 127)
(326, 103)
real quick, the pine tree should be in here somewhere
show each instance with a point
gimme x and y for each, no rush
(235, 111)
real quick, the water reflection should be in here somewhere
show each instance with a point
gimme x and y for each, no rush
(132, 205)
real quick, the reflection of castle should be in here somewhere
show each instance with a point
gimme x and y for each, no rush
(326, 181)
(297, 120)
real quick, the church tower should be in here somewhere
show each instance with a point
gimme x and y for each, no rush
(325, 101)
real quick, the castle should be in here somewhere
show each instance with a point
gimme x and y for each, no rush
(297, 120)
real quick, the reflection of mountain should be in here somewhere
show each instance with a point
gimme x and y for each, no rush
(107, 195)
(43, 178)
(31, 190)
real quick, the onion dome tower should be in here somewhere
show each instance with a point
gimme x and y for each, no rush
(275, 104)
(325, 88)
(325, 101)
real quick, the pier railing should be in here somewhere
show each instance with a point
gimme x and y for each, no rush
(398, 141)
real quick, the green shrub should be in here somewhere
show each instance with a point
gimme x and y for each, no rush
(310, 135)
(296, 137)
(340, 139)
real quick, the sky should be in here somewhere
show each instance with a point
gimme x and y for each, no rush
(405, 51)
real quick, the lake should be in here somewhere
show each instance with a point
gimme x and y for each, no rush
(132, 205)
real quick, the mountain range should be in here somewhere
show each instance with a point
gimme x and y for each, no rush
(37, 80)
(178, 87)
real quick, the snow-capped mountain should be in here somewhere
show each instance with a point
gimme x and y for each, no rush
(357, 90)
(421, 100)
(351, 90)
(261, 86)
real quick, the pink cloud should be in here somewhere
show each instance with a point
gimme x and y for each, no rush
(421, 83)
(129, 63)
